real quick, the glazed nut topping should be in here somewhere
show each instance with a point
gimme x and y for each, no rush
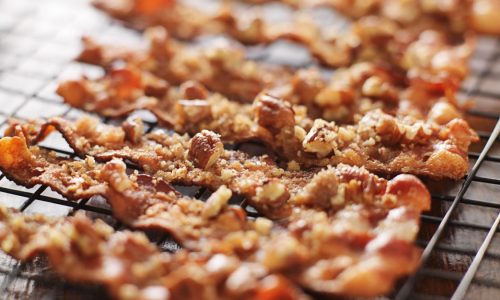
(206, 148)
(273, 113)
(376, 87)
(193, 90)
(389, 131)
(321, 139)
(329, 97)
(216, 202)
(443, 112)
(263, 225)
(274, 193)
(134, 129)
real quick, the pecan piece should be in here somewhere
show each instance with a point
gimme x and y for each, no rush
(273, 193)
(206, 147)
(193, 111)
(193, 90)
(216, 202)
(273, 113)
(321, 139)
(134, 129)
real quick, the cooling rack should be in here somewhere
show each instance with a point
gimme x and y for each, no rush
(39, 39)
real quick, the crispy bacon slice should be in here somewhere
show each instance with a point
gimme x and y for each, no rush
(425, 49)
(190, 109)
(339, 255)
(138, 200)
(127, 264)
(351, 93)
(197, 161)
(221, 67)
(187, 22)
(379, 142)
(353, 240)
(462, 15)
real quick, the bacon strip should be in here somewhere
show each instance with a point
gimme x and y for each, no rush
(189, 109)
(221, 67)
(173, 158)
(351, 93)
(363, 223)
(137, 200)
(379, 142)
(461, 15)
(127, 264)
(187, 22)
(424, 50)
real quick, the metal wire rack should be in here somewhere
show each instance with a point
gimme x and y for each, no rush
(38, 40)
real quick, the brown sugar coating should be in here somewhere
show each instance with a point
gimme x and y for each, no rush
(127, 264)
(362, 222)
(378, 141)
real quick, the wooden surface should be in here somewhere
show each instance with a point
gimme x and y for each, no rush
(38, 39)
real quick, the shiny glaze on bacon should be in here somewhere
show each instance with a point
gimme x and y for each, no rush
(425, 49)
(379, 142)
(360, 222)
(191, 107)
(429, 61)
(128, 265)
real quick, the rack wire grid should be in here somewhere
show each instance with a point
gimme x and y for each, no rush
(38, 41)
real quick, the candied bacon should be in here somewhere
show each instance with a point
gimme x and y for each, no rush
(138, 200)
(126, 263)
(372, 38)
(339, 231)
(478, 15)
(362, 217)
(351, 91)
(223, 68)
(168, 157)
(379, 142)
(188, 109)
(191, 108)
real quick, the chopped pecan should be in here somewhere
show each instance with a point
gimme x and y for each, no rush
(134, 129)
(273, 193)
(206, 148)
(216, 202)
(193, 90)
(321, 139)
(273, 113)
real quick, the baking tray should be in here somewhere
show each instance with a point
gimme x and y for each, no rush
(38, 41)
